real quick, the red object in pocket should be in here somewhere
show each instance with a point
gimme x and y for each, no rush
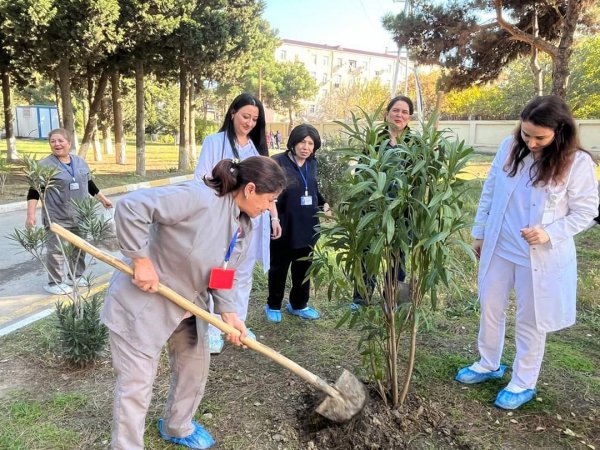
(221, 278)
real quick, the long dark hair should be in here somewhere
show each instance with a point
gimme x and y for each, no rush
(257, 135)
(548, 111)
(299, 133)
(229, 175)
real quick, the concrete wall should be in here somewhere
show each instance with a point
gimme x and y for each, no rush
(484, 135)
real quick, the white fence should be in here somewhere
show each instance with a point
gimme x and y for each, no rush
(484, 135)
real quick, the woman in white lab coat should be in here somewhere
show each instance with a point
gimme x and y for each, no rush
(540, 192)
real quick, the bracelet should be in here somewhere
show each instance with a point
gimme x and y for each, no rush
(274, 219)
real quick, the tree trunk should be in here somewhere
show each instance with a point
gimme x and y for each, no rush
(291, 126)
(11, 144)
(184, 141)
(96, 143)
(561, 72)
(193, 146)
(64, 82)
(120, 153)
(538, 81)
(536, 70)
(94, 138)
(90, 125)
(58, 105)
(105, 126)
(140, 126)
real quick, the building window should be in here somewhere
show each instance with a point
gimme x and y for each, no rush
(352, 64)
(363, 64)
(312, 109)
(314, 58)
(339, 62)
(324, 78)
(323, 92)
(325, 60)
(388, 68)
(338, 81)
(283, 55)
(314, 75)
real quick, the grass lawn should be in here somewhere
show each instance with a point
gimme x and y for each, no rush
(252, 403)
(161, 162)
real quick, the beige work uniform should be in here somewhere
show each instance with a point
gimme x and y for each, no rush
(185, 230)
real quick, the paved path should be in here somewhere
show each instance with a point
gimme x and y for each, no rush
(22, 297)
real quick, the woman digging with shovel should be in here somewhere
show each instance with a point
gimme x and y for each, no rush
(180, 235)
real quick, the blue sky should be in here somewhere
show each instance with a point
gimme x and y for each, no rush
(352, 24)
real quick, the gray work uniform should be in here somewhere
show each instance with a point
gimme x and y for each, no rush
(185, 230)
(70, 183)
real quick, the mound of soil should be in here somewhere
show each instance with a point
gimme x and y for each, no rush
(416, 424)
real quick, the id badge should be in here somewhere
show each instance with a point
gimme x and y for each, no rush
(548, 217)
(74, 186)
(306, 200)
(221, 278)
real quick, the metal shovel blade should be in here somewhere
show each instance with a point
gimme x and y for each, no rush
(350, 401)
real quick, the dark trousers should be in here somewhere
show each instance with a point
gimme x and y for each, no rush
(281, 258)
(370, 282)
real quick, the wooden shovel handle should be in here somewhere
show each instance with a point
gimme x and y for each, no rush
(197, 311)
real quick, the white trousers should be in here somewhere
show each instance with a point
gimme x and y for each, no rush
(243, 283)
(494, 292)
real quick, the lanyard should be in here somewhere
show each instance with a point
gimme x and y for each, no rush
(304, 177)
(70, 168)
(231, 247)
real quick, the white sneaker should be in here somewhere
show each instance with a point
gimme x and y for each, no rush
(81, 282)
(58, 289)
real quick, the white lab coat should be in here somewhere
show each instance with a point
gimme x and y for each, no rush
(216, 148)
(563, 210)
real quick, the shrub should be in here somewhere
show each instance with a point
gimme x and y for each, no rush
(404, 200)
(82, 336)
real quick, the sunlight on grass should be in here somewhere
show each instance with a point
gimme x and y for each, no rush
(28, 424)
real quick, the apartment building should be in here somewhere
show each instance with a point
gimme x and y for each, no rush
(332, 66)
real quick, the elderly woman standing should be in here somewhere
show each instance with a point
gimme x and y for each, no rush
(73, 181)
(297, 209)
(540, 192)
(179, 235)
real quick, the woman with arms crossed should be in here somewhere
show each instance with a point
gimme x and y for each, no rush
(540, 192)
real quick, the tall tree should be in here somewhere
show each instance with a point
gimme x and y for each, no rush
(458, 37)
(148, 23)
(293, 84)
(60, 38)
(6, 70)
(210, 33)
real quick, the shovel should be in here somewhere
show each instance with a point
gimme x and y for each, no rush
(344, 400)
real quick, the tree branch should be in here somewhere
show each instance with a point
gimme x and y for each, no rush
(520, 35)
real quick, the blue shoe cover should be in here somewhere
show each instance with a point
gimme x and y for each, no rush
(250, 334)
(199, 439)
(273, 315)
(305, 313)
(215, 343)
(466, 375)
(511, 400)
